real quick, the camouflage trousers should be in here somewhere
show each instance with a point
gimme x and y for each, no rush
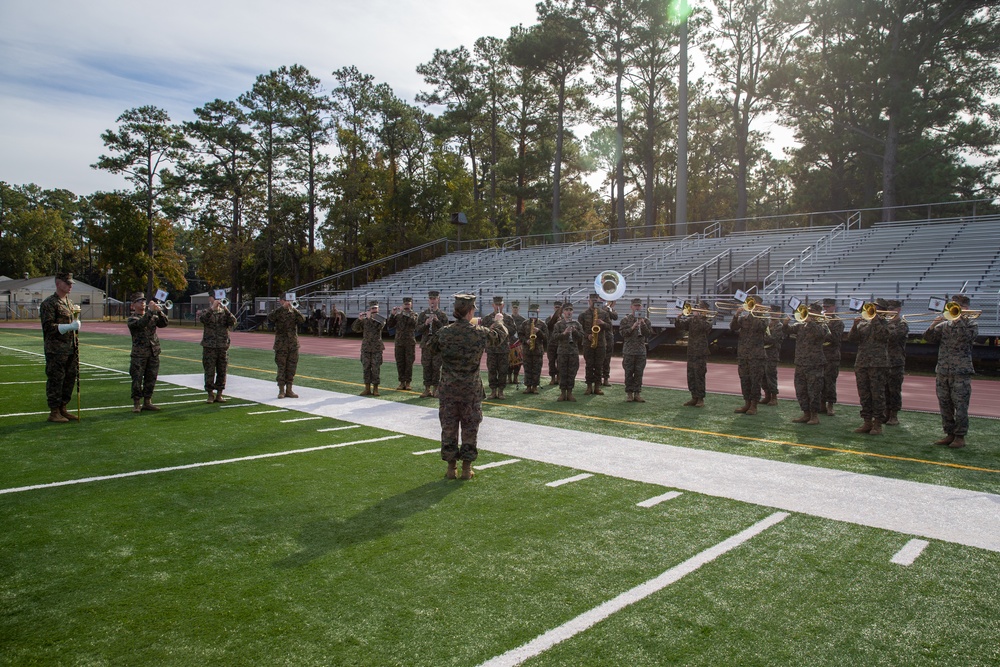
(497, 366)
(143, 371)
(593, 359)
(553, 357)
(894, 388)
(871, 391)
(606, 370)
(771, 376)
(751, 373)
(371, 365)
(954, 393)
(634, 366)
(831, 371)
(809, 388)
(287, 362)
(60, 376)
(215, 361)
(697, 369)
(431, 365)
(460, 416)
(532, 369)
(569, 364)
(405, 354)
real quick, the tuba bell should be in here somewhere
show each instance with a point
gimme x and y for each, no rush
(609, 285)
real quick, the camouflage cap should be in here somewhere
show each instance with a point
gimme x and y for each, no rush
(533, 306)
(433, 294)
(829, 302)
(407, 299)
(465, 300)
(567, 306)
(703, 304)
(637, 302)
(816, 307)
(881, 304)
(137, 296)
(64, 276)
(594, 295)
(895, 303)
(961, 299)
(373, 302)
(515, 304)
(498, 299)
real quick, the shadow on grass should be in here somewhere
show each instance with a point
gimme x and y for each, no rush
(379, 520)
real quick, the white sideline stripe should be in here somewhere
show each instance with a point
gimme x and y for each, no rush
(200, 393)
(300, 419)
(569, 480)
(910, 552)
(427, 451)
(27, 382)
(656, 500)
(237, 405)
(590, 618)
(267, 412)
(106, 407)
(189, 466)
(338, 428)
(496, 464)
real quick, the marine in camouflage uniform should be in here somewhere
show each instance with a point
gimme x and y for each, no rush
(871, 367)
(899, 330)
(534, 349)
(773, 340)
(370, 326)
(144, 364)
(593, 355)
(514, 339)
(429, 323)
(831, 354)
(568, 335)
(460, 411)
(954, 372)
(750, 357)
(62, 352)
(698, 327)
(218, 321)
(636, 332)
(551, 351)
(810, 336)
(286, 321)
(497, 353)
(404, 321)
(609, 342)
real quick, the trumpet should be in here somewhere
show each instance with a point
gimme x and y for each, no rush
(224, 302)
(294, 304)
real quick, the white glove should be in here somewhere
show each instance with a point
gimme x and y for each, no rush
(66, 328)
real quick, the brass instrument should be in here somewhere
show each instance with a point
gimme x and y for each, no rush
(870, 311)
(953, 311)
(595, 330)
(609, 285)
(688, 309)
(765, 313)
(531, 335)
(224, 302)
(802, 313)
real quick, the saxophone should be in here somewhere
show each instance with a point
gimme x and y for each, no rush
(532, 336)
(595, 330)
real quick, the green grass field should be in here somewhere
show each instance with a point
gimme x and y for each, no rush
(364, 555)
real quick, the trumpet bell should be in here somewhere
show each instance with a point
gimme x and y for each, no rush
(609, 285)
(295, 304)
(168, 305)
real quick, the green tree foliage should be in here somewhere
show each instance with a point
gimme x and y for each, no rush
(36, 231)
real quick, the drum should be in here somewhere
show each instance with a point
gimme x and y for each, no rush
(516, 354)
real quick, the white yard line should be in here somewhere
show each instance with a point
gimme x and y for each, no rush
(104, 407)
(338, 428)
(656, 500)
(909, 552)
(590, 618)
(267, 412)
(189, 466)
(569, 480)
(298, 419)
(495, 464)
(428, 451)
(27, 382)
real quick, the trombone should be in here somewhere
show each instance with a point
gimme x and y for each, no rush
(870, 311)
(688, 310)
(952, 311)
(802, 313)
(749, 305)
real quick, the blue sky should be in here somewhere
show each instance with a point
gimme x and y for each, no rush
(68, 68)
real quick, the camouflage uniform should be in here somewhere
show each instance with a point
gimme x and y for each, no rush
(429, 323)
(461, 347)
(750, 353)
(215, 347)
(514, 369)
(831, 355)
(568, 336)
(498, 352)
(551, 350)
(898, 332)
(954, 371)
(533, 358)
(593, 356)
(62, 355)
(773, 339)
(371, 347)
(144, 365)
(810, 360)
(871, 365)
(286, 342)
(698, 328)
(634, 350)
(405, 347)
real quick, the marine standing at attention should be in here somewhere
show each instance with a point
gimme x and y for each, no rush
(370, 325)
(429, 323)
(568, 335)
(286, 321)
(831, 355)
(62, 354)
(218, 321)
(636, 332)
(461, 346)
(404, 321)
(144, 364)
(497, 353)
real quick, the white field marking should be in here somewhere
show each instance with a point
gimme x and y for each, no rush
(656, 500)
(237, 405)
(82, 363)
(267, 412)
(27, 382)
(497, 464)
(590, 618)
(3, 365)
(569, 480)
(200, 393)
(106, 407)
(428, 451)
(299, 419)
(205, 464)
(338, 428)
(909, 552)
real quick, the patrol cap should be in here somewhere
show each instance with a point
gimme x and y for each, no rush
(433, 294)
(498, 300)
(703, 304)
(407, 299)
(815, 307)
(65, 277)
(881, 304)
(533, 306)
(567, 306)
(895, 303)
(465, 300)
(373, 302)
(961, 299)
(829, 302)
(594, 295)
(515, 304)
(637, 302)
(137, 296)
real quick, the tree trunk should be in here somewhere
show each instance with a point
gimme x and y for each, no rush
(557, 172)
